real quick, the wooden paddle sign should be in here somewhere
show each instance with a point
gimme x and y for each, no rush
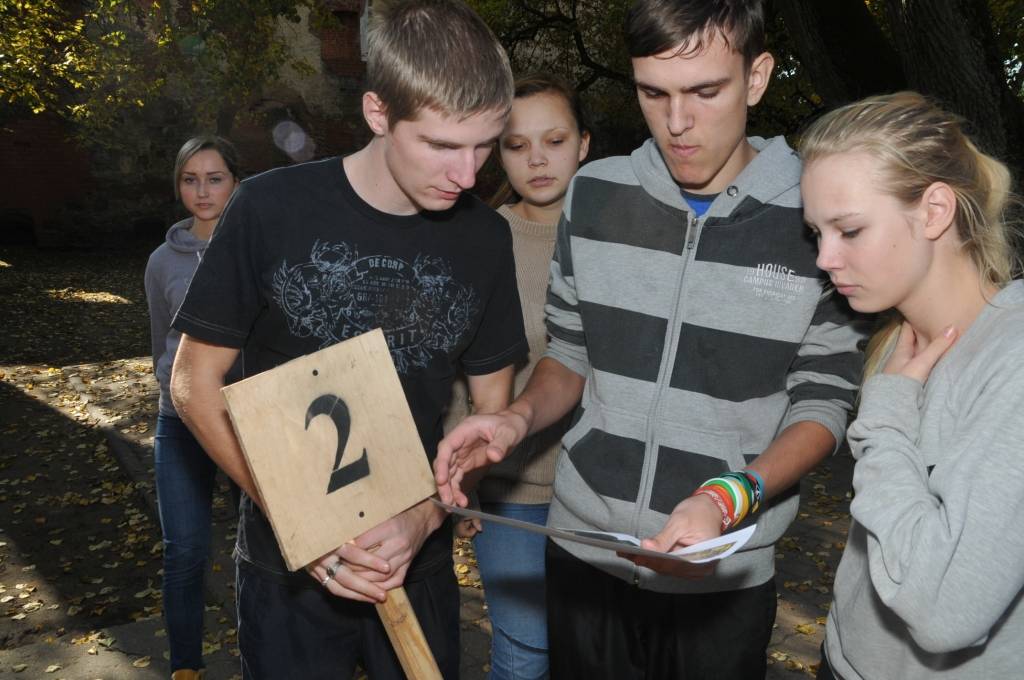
(334, 451)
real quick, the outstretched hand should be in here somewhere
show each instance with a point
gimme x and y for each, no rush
(914, 360)
(476, 442)
(695, 519)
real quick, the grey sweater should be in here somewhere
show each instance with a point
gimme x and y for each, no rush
(931, 581)
(699, 338)
(168, 273)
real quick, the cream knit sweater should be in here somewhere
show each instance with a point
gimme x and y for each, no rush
(526, 475)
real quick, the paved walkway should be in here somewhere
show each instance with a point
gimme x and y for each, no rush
(120, 398)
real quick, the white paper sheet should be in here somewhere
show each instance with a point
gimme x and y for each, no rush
(705, 551)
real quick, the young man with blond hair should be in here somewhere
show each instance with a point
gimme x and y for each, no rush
(712, 368)
(310, 255)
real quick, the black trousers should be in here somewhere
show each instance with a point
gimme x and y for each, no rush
(602, 627)
(288, 633)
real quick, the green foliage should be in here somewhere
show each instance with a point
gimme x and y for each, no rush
(121, 70)
(1008, 20)
(135, 78)
(790, 99)
(582, 40)
(42, 54)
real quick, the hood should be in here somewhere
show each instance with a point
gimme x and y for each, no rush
(179, 238)
(773, 176)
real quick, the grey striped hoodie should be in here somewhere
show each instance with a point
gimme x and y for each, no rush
(700, 340)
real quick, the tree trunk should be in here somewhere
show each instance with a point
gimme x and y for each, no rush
(948, 50)
(842, 48)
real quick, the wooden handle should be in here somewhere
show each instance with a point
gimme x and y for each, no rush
(407, 637)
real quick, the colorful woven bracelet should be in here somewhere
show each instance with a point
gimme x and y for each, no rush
(730, 495)
(742, 487)
(738, 494)
(716, 496)
(724, 497)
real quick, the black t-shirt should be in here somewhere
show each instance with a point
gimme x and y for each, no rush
(300, 262)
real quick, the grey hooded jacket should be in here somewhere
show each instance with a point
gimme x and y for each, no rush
(168, 273)
(700, 340)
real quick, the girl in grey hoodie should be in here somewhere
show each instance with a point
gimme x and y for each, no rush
(909, 218)
(205, 175)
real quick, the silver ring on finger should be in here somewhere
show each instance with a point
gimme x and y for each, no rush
(333, 569)
(327, 579)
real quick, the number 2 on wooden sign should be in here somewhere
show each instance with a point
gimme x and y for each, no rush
(341, 475)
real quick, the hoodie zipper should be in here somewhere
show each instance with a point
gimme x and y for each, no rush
(692, 231)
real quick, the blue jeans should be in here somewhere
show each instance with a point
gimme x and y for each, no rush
(184, 487)
(511, 565)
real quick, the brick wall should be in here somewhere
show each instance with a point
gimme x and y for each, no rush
(339, 45)
(41, 171)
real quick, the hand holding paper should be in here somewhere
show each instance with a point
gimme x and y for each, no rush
(694, 521)
(628, 546)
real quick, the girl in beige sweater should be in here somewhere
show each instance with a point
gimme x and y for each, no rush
(541, 148)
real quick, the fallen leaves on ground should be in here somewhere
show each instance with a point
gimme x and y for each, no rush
(466, 570)
(73, 524)
(806, 559)
(80, 546)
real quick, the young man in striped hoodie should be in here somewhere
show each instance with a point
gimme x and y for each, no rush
(711, 366)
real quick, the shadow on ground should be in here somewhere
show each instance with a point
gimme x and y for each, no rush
(80, 552)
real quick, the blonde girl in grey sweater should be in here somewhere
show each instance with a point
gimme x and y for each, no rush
(909, 217)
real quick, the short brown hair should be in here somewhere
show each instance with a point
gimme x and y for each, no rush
(656, 26)
(548, 83)
(435, 54)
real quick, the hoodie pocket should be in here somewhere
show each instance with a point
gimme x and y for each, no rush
(607, 450)
(686, 458)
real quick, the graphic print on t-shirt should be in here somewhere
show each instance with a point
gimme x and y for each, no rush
(337, 294)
